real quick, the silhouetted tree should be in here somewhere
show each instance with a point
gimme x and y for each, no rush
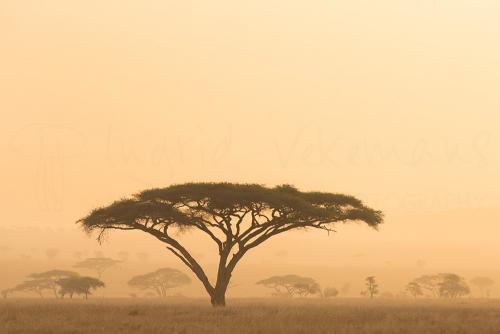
(330, 292)
(98, 264)
(452, 286)
(483, 283)
(414, 289)
(444, 285)
(428, 283)
(35, 285)
(160, 281)
(304, 289)
(371, 287)
(291, 285)
(51, 277)
(237, 217)
(79, 285)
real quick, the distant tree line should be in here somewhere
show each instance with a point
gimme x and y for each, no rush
(58, 282)
(297, 286)
(62, 283)
(442, 285)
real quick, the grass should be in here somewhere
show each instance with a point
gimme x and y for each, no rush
(351, 316)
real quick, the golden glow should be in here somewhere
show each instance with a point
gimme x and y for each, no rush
(395, 102)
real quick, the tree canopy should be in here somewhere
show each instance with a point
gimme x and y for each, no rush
(452, 286)
(443, 285)
(51, 277)
(98, 264)
(160, 281)
(236, 217)
(483, 283)
(371, 287)
(291, 285)
(39, 282)
(414, 289)
(80, 285)
(34, 285)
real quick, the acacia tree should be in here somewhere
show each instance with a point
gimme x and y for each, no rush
(291, 285)
(483, 283)
(429, 284)
(452, 286)
(51, 277)
(237, 217)
(35, 285)
(79, 285)
(371, 287)
(414, 289)
(160, 281)
(98, 264)
(443, 285)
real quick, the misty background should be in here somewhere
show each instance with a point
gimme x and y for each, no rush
(101, 100)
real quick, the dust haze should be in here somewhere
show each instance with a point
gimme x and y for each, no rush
(394, 103)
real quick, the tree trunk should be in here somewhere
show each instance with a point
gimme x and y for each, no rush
(218, 298)
(218, 295)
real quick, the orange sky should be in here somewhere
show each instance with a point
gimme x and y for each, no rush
(395, 102)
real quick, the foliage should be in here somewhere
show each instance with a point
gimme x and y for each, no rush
(483, 283)
(444, 285)
(429, 284)
(414, 289)
(51, 277)
(39, 282)
(79, 285)
(291, 285)
(452, 286)
(236, 217)
(160, 280)
(35, 285)
(98, 264)
(371, 287)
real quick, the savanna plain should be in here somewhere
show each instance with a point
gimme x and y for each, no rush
(249, 316)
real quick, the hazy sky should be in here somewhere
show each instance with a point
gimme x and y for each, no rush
(395, 102)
